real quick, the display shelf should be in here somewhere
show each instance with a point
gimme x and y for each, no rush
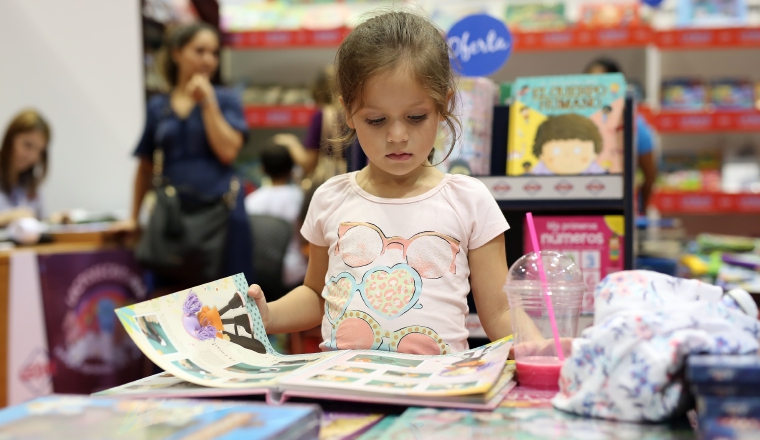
(582, 38)
(705, 122)
(568, 39)
(670, 203)
(264, 116)
(286, 39)
(601, 191)
(685, 39)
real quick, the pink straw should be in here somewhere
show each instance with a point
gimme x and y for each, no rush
(545, 285)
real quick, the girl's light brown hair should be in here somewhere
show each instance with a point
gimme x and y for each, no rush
(27, 120)
(385, 42)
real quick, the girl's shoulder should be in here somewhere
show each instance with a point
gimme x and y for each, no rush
(467, 186)
(334, 189)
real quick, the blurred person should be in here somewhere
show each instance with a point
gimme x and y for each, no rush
(317, 156)
(201, 129)
(23, 166)
(644, 136)
(282, 199)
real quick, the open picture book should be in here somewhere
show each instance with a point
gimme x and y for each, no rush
(210, 341)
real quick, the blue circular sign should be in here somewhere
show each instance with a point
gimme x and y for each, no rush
(481, 45)
(653, 3)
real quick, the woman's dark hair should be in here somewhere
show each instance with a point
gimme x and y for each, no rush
(608, 64)
(382, 44)
(176, 40)
(26, 121)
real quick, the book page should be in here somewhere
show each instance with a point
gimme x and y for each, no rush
(469, 372)
(210, 335)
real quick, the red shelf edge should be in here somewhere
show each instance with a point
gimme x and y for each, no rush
(671, 202)
(264, 116)
(707, 122)
(571, 38)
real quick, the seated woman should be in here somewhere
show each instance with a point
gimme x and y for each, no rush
(23, 165)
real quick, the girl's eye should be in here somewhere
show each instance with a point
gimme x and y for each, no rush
(419, 118)
(377, 121)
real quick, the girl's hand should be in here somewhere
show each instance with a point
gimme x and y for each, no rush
(257, 295)
(541, 348)
(200, 89)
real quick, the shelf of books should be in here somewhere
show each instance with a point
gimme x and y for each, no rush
(669, 203)
(701, 122)
(570, 38)
(278, 116)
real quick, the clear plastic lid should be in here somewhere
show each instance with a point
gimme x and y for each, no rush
(560, 270)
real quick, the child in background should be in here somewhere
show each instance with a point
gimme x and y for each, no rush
(281, 199)
(396, 247)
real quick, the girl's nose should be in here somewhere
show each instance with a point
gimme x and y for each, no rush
(397, 132)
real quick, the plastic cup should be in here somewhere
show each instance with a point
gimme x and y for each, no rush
(538, 364)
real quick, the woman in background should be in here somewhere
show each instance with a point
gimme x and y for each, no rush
(23, 166)
(201, 129)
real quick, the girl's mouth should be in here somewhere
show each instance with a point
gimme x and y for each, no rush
(400, 156)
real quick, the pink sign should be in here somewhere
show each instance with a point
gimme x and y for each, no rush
(595, 243)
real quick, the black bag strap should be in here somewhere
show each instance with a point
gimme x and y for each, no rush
(159, 180)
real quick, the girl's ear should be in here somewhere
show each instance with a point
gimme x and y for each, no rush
(349, 118)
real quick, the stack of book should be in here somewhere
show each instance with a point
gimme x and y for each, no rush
(727, 390)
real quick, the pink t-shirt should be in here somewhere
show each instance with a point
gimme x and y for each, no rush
(398, 274)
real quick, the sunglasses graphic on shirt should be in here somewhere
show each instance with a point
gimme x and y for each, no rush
(361, 332)
(389, 291)
(431, 254)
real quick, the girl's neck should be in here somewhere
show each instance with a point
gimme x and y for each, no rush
(381, 184)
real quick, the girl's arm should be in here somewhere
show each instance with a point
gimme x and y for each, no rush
(303, 307)
(488, 273)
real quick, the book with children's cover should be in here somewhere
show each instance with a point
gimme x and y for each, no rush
(210, 341)
(521, 424)
(85, 418)
(566, 125)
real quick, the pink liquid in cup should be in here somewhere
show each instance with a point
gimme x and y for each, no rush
(539, 372)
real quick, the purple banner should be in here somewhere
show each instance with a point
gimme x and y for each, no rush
(89, 350)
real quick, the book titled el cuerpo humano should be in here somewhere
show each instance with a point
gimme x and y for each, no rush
(210, 341)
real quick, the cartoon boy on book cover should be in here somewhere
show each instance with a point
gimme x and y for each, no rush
(567, 144)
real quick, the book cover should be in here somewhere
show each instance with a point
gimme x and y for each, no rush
(346, 426)
(533, 17)
(85, 418)
(471, 154)
(595, 243)
(521, 424)
(566, 125)
(732, 406)
(711, 13)
(734, 428)
(607, 14)
(739, 370)
(210, 341)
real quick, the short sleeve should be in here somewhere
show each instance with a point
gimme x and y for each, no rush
(326, 199)
(314, 132)
(477, 210)
(232, 110)
(152, 116)
(644, 137)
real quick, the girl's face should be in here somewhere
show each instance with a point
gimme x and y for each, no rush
(27, 150)
(397, 124)
(199, 56)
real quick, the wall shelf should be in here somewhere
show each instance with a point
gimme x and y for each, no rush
(278, 116)
(670, 203)
(707, 122)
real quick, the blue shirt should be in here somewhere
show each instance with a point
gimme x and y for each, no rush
(19, 198)
(644, 136)
(189, 162)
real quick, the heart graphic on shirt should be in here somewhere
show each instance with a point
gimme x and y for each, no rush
(391, 291)
(340, 290)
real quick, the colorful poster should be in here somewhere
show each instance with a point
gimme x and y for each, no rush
(595, 243)
(566, 125)
(89, 350)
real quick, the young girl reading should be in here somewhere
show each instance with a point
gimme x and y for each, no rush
(396, 247)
